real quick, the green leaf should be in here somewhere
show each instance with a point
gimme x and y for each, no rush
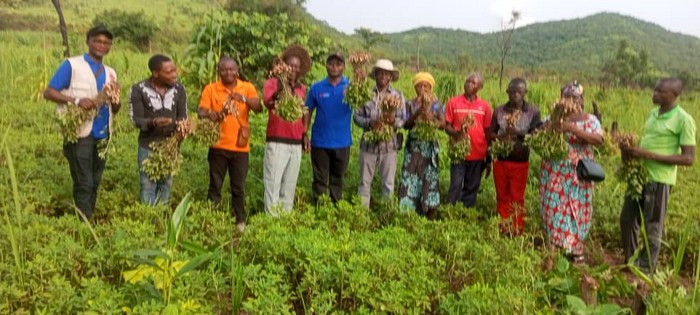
(575, 303)
(562, 265)
(194, 263)
(176, 221)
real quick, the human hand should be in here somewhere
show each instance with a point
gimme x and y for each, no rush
(215, 116)
(86, 103)
(161, 121)
(305, 143)
(376, 124)
(240, 97)
(388, 119)
(636, 152)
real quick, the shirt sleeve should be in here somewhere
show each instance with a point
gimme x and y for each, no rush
(400, 114)
(251, 92)
(494, 122)
(269, 90)
(536, 121)
(311, 99)
(181, 104)
(688, 132)
(61, 79)
(136, 108)
(488, 113)
(206, 98)
(361, 116)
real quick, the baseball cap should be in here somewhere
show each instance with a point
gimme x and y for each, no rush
(336, 55)
(99, 29)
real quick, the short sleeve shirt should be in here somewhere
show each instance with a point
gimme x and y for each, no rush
(458, 108)
(665, 134)
(213, 97)
(331, 128)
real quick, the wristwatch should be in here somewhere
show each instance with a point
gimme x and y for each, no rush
(245, 100)
(76, 101)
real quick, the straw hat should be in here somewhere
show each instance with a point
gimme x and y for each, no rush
(302, 54)
(385, 64)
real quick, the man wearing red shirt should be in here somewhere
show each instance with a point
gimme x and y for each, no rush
(465, 176)
(283, 141)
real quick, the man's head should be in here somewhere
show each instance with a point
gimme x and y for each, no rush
(227, 70)
(666, 91)
(517, 88)
(473, 83)
(298, 59)
(335, 65)
(384, 73)
(99, 41)
(163, 70)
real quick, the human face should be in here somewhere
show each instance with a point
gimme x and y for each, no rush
(167, 74)
(335, 68)
(228, 72)
(382, 77)
(663, 95)
(295, 65)
(516, 93)
(472, 85)
(99, 46)
(422, 88)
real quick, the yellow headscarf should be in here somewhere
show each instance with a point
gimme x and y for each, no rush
(424, 77)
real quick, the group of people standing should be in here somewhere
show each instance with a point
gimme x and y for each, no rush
(158, 102)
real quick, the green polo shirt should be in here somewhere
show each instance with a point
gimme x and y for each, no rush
(665, 134)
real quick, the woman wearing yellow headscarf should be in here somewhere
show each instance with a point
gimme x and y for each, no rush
(419, 189)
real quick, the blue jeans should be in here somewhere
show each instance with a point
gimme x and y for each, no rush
(152, 192)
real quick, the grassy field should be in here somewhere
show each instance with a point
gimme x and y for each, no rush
(321, 259)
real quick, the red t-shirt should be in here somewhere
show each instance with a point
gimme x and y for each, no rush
(279, 130)
(459, 107)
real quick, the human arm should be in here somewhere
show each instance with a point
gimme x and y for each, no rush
(594, 138)
(686, 158)
(271, 91)
(137, 112)
(251, 99)
(361, 116)
(61, 81)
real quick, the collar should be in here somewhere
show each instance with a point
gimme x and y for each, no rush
(476, 98)
(667, 114)
(390, 89)
(147, 83)
(509, 108)
(327, 81)
(89, 59)
(221, 87)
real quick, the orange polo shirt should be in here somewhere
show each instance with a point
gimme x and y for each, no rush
(213, 97)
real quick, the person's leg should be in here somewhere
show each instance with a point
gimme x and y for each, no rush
(238, 170)
(517, 172)
(472, 181)
(629, 225)
(218, 165)
(163, 190)
(457, 171)
(503, 200)
(338, 166)
(387, 170)
(98, 167)
(368, 162)
(290, 176)
(273, 168)
(80, 161)
(148, 187)
(320, 162)
(655, 202)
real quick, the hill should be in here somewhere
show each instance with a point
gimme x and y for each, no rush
(578, 45)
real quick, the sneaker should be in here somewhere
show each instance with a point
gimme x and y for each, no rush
(240, 227)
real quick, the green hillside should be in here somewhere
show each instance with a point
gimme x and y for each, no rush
(578, 45)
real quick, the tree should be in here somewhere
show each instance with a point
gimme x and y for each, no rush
(370, 38)
(134, 27)
(506, 33)
(62, 27)
(628, 67)
(253, 39)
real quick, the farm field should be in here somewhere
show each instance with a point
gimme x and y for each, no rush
(321, 259)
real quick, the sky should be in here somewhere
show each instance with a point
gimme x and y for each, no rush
(483, 16)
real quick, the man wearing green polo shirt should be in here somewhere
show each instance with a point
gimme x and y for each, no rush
(668, 141)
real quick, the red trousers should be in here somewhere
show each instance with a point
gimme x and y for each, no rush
(510, 179)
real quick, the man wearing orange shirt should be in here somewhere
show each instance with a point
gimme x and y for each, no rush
(465, 176)
(230, 153)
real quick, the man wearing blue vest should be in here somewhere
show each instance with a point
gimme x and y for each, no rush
(330, 134)
(77, 82)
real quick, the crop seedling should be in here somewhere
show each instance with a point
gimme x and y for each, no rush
(632, 170)
(358, 91)
(458, 149)
(288, 106)
(165, 159)
(388, 104)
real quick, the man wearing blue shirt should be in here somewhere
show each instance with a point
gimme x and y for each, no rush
(330, 134)
(76, 83)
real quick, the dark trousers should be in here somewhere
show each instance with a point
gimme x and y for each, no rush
(86, 169)
(329, 167)
(236, 163)
(465, 178)
(652, 208)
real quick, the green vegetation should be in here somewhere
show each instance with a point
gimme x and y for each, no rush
(320, 259)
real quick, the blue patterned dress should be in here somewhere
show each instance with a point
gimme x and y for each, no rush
(419, 189)
(565, 202)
